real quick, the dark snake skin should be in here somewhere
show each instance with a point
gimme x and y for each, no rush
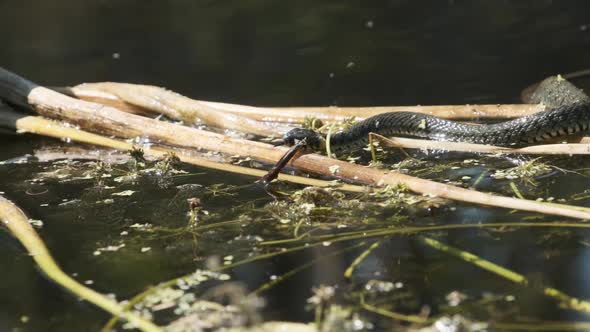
(561, 121)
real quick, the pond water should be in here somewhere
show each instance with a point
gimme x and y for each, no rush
(287, 54)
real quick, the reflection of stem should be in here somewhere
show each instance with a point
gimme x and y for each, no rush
(307, 265)
(195, 245)
(318, 315)
(18, 224)
(192, 219)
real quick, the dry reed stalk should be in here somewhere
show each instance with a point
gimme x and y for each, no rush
(175, 106)
(132, 98)
(114, 94)
(545, 149)
(105, 119)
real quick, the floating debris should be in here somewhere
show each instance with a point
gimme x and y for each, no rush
(526, 171)
(141, 226)
(124, 193)
(111, 248)
(321, 294)
(193, 313)
(379, 286)
(455, 323)
(455, 298)
(36, 223)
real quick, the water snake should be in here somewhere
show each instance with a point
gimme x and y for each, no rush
(568, 113)
(563, 120)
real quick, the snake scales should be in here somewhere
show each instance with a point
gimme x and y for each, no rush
(557, 122)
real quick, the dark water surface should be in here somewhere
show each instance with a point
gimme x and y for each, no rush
(285, 54)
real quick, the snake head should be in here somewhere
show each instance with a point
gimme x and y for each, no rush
(313, 139)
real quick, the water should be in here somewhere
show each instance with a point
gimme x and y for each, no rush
(286, 54)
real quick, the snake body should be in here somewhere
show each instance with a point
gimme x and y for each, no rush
(561, 121)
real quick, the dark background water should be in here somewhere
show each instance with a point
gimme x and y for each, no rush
(281, 54)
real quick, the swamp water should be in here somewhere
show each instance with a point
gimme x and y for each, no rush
(120, 234)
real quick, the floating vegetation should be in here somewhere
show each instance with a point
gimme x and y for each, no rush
(259, 228)
(455, 323)
(380, 286)
(308, 205)
(526, 171)
(408, 164)
(36, 223)
(102, 173)
(313, 205)
(221, 189)
(203, 300)
(400, 197)
(111, 248)
(65, 171)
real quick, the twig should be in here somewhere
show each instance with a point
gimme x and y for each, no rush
(545, 149)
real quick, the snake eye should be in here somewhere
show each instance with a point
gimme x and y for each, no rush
(298, 134)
